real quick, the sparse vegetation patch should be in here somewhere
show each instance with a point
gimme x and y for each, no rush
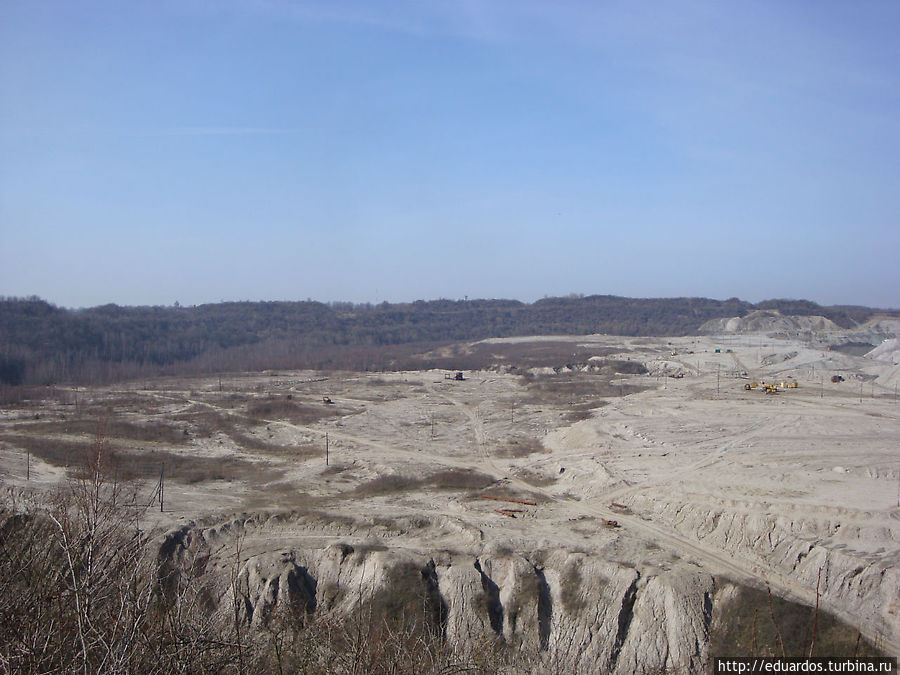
(281, 408)
(520, 446)
(757, 623)
(450, 479)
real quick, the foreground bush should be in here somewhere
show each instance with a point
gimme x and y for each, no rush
(81, 591)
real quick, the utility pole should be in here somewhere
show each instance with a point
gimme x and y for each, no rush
(432, 426)
(162, 477)
(28, 464)
(717, 380)
(326, 448)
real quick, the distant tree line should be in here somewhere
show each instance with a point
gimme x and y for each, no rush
(44, 344)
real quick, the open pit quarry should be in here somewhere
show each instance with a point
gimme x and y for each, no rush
(597, 502)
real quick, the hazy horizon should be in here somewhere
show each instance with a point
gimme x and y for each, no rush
(440, 299)
(389, 151)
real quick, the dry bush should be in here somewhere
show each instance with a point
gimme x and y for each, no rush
(335, 469)
(521, 446)
(281, 496)
(279, 408)
(584, 411)
(511, 493)
(526, 598)
(757, 623)
(332, 519)
(249, 442)
(156, 432)
(387, 484)
(574, 389)
(449, 479)
(57, 452)
(514, 355)
(620, 367)
(83, 589)
(570, 588)
(77, 590)
(381, 382)
(536, 479)
(205, 423)
(27, 396)
(460, 479)
(142, 465)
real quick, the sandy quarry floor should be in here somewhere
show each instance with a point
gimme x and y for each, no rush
(823, 458)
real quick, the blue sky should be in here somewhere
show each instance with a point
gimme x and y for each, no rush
(206, 150)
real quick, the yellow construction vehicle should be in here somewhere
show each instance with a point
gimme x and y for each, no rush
(770, 388)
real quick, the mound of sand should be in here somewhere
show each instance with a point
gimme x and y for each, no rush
(889, 378)
(888, 351)
(888, 326)
(767, 321)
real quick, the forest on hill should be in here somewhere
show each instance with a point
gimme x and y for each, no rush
(42, 344)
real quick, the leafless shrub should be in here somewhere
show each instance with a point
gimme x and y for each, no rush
(334, 469)
(459, 479)
(514, 355)
(571, 588)
(125, 465)
(156, 432)
(57, 452)
(332, 519)
(756, 623)
(78, 596)
(574, 389)
(511, 493)
(386, 523)
(536, 479)
(282, 496)
(584, 411)
(387, 484)
(521, 446)
(280, 408)
(83, 589)
(449, 479)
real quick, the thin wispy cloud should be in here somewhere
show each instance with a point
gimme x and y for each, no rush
(220, 131)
